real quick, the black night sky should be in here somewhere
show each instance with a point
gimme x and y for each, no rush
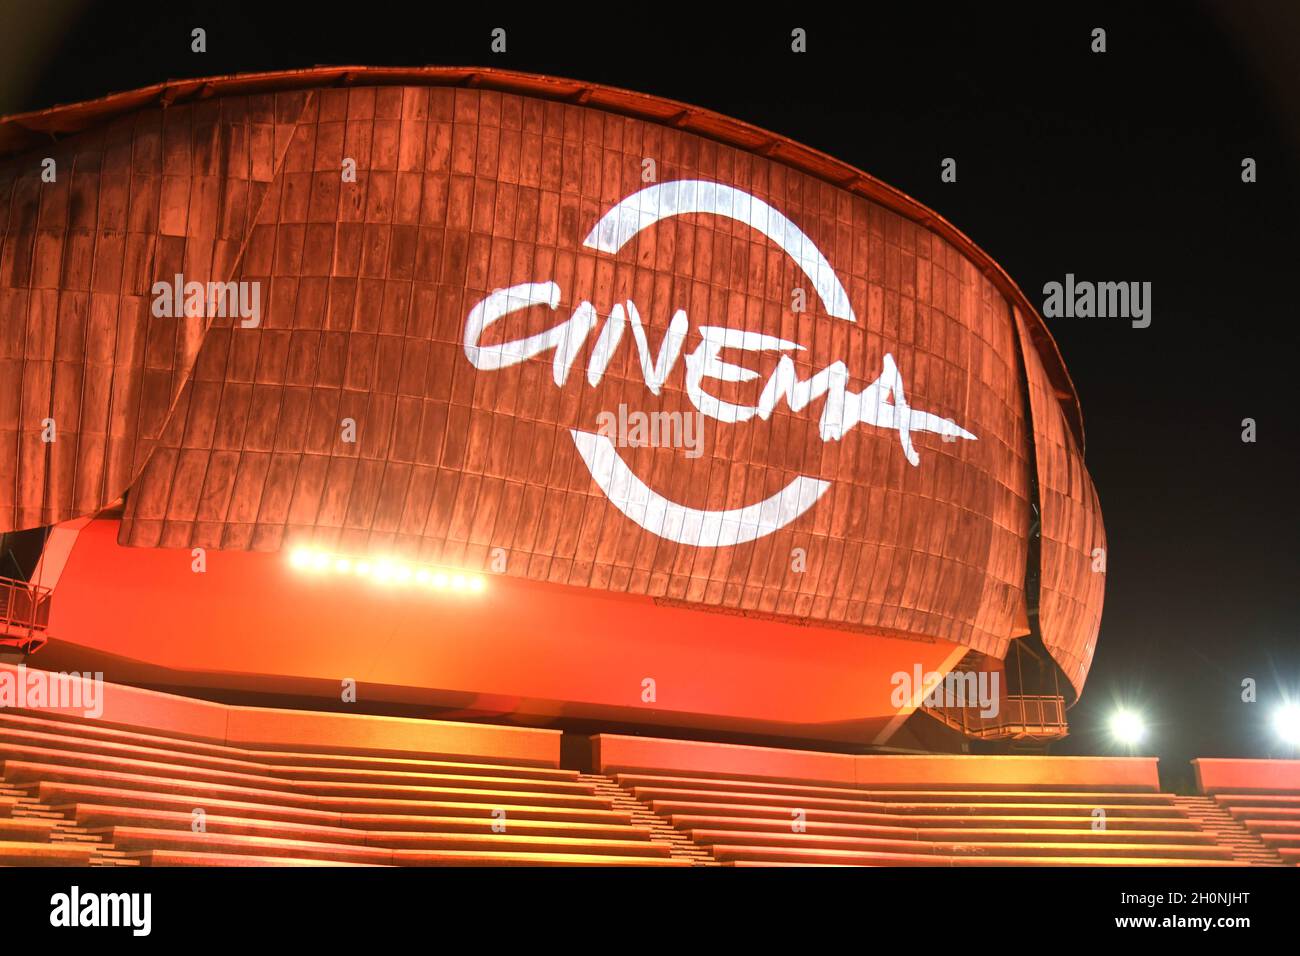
(1122, 166)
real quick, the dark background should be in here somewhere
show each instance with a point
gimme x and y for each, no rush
(1122, 166)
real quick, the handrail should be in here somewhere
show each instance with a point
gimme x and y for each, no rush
(24, 615)
(1013, 719)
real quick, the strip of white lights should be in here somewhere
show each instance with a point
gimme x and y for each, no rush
(387, 571)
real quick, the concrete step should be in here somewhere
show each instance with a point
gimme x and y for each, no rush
(98, 815)
(348, 796)
(969, 847)
(657, 795)
(780, 819)
(86, 733)
(200, 858)
(1255, 825)
(44, 854)
(471, 814)
(142, 839)
(630, 842)
(368, 782)
(1258, 799)
(1081, 834)
(787, 857)
(22, 830)
(891, 796)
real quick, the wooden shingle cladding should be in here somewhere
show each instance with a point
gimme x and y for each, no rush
(152, 194)
(231, 437)
(1073, 543)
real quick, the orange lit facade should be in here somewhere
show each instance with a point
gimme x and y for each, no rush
(454, 282)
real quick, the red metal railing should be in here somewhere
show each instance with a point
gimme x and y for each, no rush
(24, 615)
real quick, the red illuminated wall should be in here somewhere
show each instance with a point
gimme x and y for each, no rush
(520, 649)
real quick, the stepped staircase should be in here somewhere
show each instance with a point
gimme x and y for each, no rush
(1247, 848)
(1258, 798)
(661, 831)
(753, 806)
(33, 834)
(77, 792)
(1271, 819)
(746, 821)
(172, 781)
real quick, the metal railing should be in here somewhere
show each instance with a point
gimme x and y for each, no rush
(24, 615)
(1019, 717)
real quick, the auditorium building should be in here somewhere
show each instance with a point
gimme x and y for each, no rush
(454, 466)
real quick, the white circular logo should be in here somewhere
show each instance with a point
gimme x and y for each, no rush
(882, 404)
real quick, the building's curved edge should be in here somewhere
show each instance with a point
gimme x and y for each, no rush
(26, 130)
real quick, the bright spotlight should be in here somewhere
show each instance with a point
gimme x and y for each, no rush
(300, 558)
(1286, 723)
(1127, 727)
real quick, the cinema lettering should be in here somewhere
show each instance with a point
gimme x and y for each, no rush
(882, 404)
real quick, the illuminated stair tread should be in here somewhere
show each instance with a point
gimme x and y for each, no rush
(1083, 832)
(1265, 813)
(56, 793)
(905, 814)
(1036, 848)
(18, 830)
(27, 853)
(88, 814)
(1281, 827)
(780, 821)
(778, 857)
(67, 754)
(627, 842)
(141, 838)
(721, 784)
(36, 771)
(655, 794)
(1281, 840)
(1243, 799)
(199, 858)
(89, 737)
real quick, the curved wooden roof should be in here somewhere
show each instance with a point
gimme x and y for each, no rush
(26, 130)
